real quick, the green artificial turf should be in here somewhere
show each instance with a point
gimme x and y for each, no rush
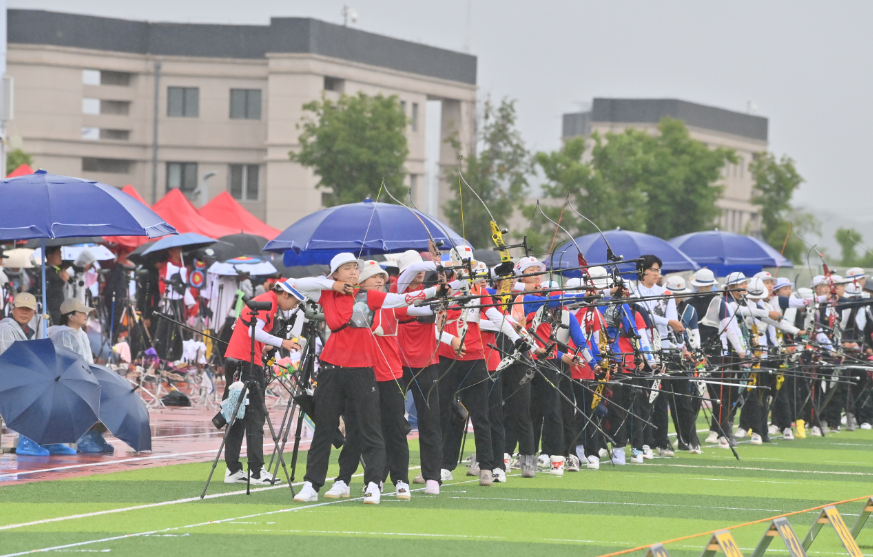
(584, 513)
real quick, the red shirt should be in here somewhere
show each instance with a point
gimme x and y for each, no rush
(417, 341)
(240, 345)
(388, 363)
(589, 323)
(474, 347)
(492, 356)
(349, 346)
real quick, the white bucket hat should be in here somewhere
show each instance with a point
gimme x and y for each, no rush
(736, 278)
(703, 277)
(407, 258)
(599, 277)
(370, 268)
(676, 285)
(341, 259)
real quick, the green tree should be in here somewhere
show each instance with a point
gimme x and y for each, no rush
(776, 180)
(850, 241)
(497, 172)
(664, 184)
(353, 144)
(16, 158)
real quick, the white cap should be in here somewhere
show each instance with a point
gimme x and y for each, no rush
(528, 262)
(856, 273)
(764, 275)
(391, 260)
(804, 293)
(573, 283)
(853, 290)
(341, 259)
(756, 289)
(676, 285)
(703, 277)
(462, 252)
(837, 279)
(370, 268)
(736, 278)
(407, 258)
(599, 277)
(288, 286)
(782, 282)
(818, 280)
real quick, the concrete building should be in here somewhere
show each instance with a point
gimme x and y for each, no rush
(164, 105)
(717, 127)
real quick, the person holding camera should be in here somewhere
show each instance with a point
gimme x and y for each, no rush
(55, 280)
(240, 366)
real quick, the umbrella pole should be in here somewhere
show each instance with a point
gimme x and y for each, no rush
(44, 305)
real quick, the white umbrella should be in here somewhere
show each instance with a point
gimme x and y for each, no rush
(72, 253)
(254, 269)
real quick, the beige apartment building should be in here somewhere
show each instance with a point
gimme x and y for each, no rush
(212, 108)
(716, 127)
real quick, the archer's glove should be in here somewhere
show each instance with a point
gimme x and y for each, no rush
(521, 345)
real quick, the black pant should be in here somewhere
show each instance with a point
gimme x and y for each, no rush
(619, 400)
(586, 434)
(672, 399)
(430, 439)
(469, 379)
(352, 392)
(756, 407)
(252, 425)
(545, 412)
(640, 432)
(394, 431)
(863, 393)
(568, 413)
(723, 411)
(518, 427)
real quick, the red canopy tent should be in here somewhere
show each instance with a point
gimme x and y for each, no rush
(224, 208)
(22, 170)
(131, 242)
(181, 214)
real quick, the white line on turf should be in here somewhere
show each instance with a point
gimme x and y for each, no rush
(767, 469)
(615, 503)
(174, 528)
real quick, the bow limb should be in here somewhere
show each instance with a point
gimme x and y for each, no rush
(610, 255)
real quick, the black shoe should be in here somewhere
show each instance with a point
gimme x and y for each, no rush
(765, 437)
(682, 446)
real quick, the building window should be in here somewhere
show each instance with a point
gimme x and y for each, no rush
(114, 78)
(182, 175)
(110, 166)
(114, 107)
(334, 84)
(90, 106)
(115, 135)
(183, 102)
(415, 117)
(403, 107)
(244, 181)
(90, 134)
(245, 104)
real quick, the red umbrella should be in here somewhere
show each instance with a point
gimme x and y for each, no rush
(224, 209)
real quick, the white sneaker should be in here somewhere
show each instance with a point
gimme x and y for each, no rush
(580, 453)
(307, 494)
(507, 461)
(473, 469)
(573, 463)
(602, 453)
(402, 491)
(713, 437)
(787, 434)
(264, 478)
(756, 439)
(741, 433)
(238, 477)
(773, 430)
(844, 420)
(432, 487)
(339, 489)
(373, 494)
(593, 463)
(556, 465)
(866, 425)
(666, 452)
(419, 479)
(498, 476)
(543, 461)
(636, 456)
(695, 449)
(618, 457)
(648, 454)
(816, 431)
(723, 443)
(446, 475)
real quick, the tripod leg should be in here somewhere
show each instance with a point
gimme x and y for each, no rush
(464, 439)
(296, 449)
(224, 440)
(289, 411)
(284, 432)
(276, 444)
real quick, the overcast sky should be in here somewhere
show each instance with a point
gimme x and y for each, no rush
(804, 64)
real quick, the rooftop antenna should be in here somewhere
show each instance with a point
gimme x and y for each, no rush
(349, 15)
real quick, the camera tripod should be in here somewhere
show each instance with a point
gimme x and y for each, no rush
(250, 387)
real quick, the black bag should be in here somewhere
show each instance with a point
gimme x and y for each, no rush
(176, 398)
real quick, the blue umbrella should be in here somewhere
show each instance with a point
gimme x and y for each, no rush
(726, 252)
(48, 206)
(387, 228)
(188, 240)
(625, 243)
(47, 393)
(123, 411)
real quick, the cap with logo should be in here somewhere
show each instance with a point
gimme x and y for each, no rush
(371, 268)
(676, 285)
(25, 300)
(288, 286)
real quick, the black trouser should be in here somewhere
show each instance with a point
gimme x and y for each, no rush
(723, 411)
(864, 399)
(568, 414)
(469, 379)
(394, 431)
(813, 398)
(252, 425)
(545, 411)
(784, 405)
(838, 398)
(672, 399)
(430, 439)
(585, 433)
(619, 401)
(352, 392)
(757, 403)
(640, 432)
(516, 412)
(495, 418)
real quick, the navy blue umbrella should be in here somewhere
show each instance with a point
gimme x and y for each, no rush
(49, 206)
(726, 252)
(387, 228)
(122, 410)
(629, 245)
(47, 393)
